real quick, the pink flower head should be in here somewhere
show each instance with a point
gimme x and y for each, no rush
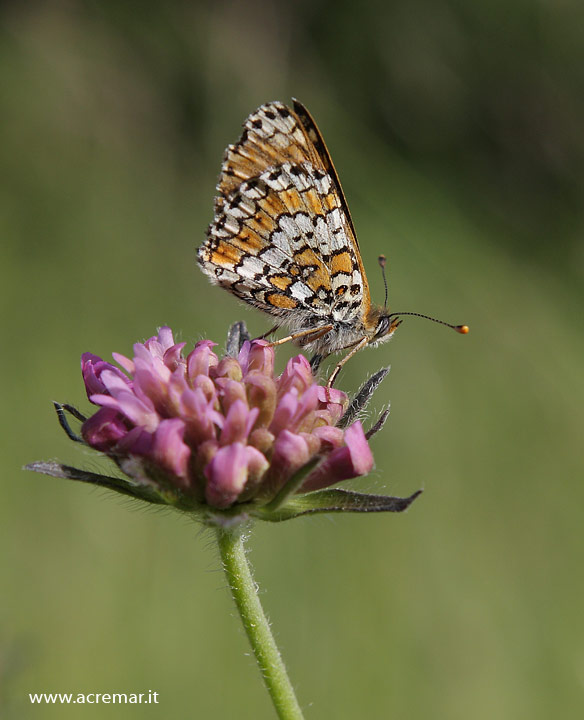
(219, 432)
(225, 439)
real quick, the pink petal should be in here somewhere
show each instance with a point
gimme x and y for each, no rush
(172, 357)
(200, 416)
(286, 409)
(137, 442)
(115, 382)
(262, 439)
(228, 367)
(261, 357)
(92, 369)
(170, 450)
(334, 401)
(304, 418)
(346, 462)
(104, 429)
(125, 362)
(132, 407)
(151, 380)
(243, 357)
(226, 475)
(238, 423)
(231, 391)
(175, 389)
(291, 452)
(328, 395)
(261, 394)
(257, 465)
(201, 359)
(148, 351)
(206, 385)
(165, 337)
(297, 374)
(331, 436)
(359, 450)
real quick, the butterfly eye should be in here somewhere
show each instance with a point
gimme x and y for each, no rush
(382, 326)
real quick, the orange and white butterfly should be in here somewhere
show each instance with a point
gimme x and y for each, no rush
(283, 240)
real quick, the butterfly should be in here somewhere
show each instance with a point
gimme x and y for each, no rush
(283, 241)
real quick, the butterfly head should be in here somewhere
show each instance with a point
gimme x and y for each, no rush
(380, 322)
(381, 325)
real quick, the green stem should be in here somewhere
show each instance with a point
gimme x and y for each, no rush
(257, 627)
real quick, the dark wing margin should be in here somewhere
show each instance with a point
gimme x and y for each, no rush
(314, 135)
(316, 138)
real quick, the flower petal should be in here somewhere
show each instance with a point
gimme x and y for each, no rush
(360, 454)
(297, 374)
(170, 450)
(92, 369)
(151, 383)
(137, 411)
(228, 367)
(238, 423)
(347, 462)
(334, 401)
(331, 437)
(105, 429)
(201, 359)
(291, 452)
(261, 394)
(173, 358)
(226, 475)
(261, 357)
(125, 362)
(231, 391)
(165, 337)
(285, 411)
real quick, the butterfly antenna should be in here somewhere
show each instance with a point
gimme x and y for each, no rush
(382, 260)
(462, 329)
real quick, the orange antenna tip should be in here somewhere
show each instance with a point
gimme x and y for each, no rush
(382, 260)
(462, 329)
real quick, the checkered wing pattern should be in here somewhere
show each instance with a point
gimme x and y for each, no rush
(282, 238)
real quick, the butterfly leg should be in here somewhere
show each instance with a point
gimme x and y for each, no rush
(315, 362)
(361, 344)
(65, 423)
(317, 332)
(267, 334)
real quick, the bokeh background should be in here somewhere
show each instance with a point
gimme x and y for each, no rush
(457, 131)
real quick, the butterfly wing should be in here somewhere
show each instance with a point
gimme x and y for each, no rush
(282, 238)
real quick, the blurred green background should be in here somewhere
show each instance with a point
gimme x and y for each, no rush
(457, 131)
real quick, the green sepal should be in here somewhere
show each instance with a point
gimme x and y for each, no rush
(334, 501)
(140, 492)
(291, 486)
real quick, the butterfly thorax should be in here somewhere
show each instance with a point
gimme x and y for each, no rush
(377, 326)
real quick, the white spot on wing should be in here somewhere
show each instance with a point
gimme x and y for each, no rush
(300, 291)
(251, 266)
(274, 257)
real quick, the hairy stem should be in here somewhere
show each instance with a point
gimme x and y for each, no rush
(244, 592)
